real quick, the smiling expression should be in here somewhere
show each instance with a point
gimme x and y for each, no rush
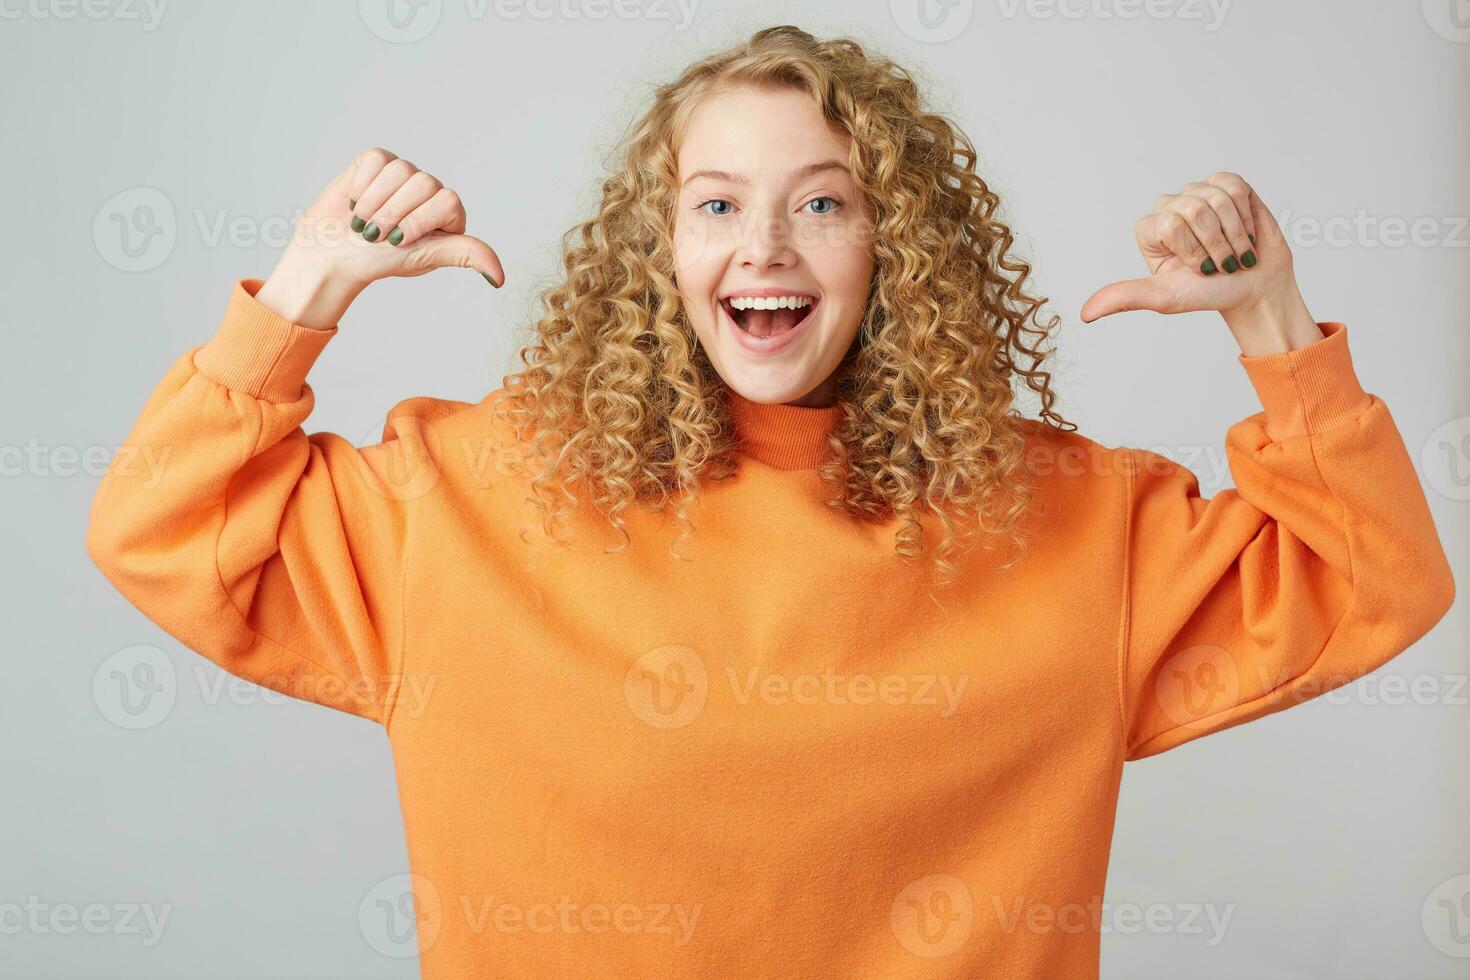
(772, 243)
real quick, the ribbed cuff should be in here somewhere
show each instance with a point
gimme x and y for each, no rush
(1309, 389)
(259, 352)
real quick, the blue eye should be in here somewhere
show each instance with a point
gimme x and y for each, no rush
(835, 204)
(718, 214)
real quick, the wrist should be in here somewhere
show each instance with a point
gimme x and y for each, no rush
(306, 295)
(1274, 322)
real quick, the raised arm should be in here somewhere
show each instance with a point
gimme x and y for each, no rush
(1323, 562)
(1320, 565)
(281, 555)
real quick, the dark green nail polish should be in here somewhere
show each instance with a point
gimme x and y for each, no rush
(357, 223)
(1248, 259)
(396, 235)
(1207, 267)
(1252, 238)
(371, 232)
(491, 281)
(1230, 264)
(352, 203)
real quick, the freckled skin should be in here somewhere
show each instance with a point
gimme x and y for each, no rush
(770, 233)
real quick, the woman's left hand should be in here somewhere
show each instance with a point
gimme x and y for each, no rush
(1212, 246)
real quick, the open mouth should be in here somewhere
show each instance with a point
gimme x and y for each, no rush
(769, 316)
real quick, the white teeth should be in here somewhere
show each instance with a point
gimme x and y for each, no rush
(770, 302)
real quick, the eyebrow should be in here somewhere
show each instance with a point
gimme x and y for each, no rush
(797, 174)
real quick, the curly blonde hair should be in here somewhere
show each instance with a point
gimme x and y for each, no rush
(617, 395)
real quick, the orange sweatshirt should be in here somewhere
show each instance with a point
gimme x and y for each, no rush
(782, 758)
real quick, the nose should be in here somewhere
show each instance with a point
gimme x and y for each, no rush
(765, 243)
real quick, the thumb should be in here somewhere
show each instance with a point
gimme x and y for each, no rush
(440, 249)
(1130, 294)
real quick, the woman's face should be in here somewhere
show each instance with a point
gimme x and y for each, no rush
(769, 216)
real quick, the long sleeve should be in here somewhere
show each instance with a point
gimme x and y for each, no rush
(279, 556)
(1319, 565)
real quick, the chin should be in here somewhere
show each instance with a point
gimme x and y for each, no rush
(761, 390)
(772, 385)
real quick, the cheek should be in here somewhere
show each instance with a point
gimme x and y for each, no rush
(696, 276)
(845, 272)
(696, 260)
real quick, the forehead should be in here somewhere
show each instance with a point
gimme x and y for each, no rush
(758, 133)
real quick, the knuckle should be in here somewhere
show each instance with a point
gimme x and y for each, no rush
(399, 169)
(423, 179)
(375, 155)
(1191, 208)
(1215, 195)
(451, 198)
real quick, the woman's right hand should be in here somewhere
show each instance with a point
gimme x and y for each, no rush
(380, 217)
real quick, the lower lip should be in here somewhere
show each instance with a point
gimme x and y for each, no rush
(766, 345)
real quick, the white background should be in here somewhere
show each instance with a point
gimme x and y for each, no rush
(1328, 833)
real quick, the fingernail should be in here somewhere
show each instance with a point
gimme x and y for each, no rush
(1252, 238)
(1208, 267)
(371, 232)
(357, 223)
(491, 281)
(1248, 259)
(352, 203)
(1230, 264)
(396, 235)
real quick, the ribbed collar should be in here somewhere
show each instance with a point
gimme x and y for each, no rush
(784, 437)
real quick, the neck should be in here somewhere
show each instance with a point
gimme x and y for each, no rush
(785, 436)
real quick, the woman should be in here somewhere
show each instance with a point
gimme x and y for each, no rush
(738, 695)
